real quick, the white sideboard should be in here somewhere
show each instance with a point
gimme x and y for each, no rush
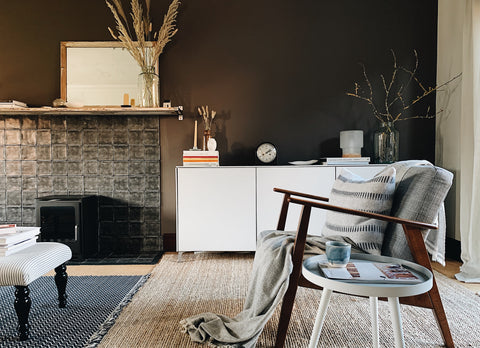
(224, 208)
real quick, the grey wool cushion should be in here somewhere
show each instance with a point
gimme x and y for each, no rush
(420, 191)
(374, 195)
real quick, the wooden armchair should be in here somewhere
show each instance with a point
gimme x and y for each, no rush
(429, 182)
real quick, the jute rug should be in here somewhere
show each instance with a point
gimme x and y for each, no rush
(93, 304)
(209, 282)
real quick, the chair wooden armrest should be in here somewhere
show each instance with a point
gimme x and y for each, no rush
(387, 218)
(300, 194)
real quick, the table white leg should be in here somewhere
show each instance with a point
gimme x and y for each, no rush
(374, 318)
(322, 311)
(396, 321)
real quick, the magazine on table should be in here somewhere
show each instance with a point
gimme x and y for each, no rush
(370, 272)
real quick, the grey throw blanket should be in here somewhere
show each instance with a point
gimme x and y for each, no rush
(268, 283)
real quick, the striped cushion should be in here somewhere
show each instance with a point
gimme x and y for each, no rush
(25, 266)
(354, 192)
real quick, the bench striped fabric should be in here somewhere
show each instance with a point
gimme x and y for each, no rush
(25, 266)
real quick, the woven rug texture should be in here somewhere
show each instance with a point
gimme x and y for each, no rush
(217, 282)
(93, 304)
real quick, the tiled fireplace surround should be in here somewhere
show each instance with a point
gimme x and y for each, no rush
(114, 157)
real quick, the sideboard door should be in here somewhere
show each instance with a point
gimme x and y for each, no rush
(216, 209)
(316, 180)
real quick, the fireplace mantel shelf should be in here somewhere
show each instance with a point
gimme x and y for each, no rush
(176, 111)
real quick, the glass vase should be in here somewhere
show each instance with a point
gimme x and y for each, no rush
(386, 143)
(148, 89)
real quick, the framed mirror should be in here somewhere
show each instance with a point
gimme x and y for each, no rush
(97, 73)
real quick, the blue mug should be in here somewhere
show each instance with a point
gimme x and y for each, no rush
(338, 253)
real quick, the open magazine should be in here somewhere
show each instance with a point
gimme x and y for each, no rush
(372, 272)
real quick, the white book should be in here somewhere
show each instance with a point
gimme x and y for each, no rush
(12, 104)
(20, 234)
(17, 247)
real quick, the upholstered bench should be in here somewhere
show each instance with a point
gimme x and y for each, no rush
(23, 267)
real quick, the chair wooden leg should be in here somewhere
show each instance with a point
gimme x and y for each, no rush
(61, 278)
(440, 316)
(22, 306)
(286, 312)
(289, 297)
(419, 252)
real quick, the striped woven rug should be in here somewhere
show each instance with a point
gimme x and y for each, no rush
(94, 302)
(209, 282)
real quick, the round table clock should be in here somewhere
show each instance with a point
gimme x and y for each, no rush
(266, 153)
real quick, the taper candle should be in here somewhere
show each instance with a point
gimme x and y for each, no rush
(195, 136)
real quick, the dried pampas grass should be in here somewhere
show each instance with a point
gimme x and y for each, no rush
(146, 46)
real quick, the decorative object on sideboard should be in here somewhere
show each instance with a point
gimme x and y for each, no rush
(208, 117)
(199, 158)
(142, 51)
(266, 153)
(399, 99)
(351, 143)
(211, 144)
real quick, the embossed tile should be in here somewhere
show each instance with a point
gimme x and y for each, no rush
(59, 137)
(12, 122)
(74, 152)
(105, 168)
(120, 168)
(14, 198)
(29, 153)
(12, 137)
(152, 153)
(13, 168)
(44, 153)
(75, 183)
(14, 183)
(74, 137)
(59, 168)
(59, 182)
(74, 168)
(12, 153)
(90, 167)
(105, 152)
(44, 137)
(29, 168)
(120, 153)
(29, 137)
(44, 184)
(59, 152)
(28, 122)
(91, 183)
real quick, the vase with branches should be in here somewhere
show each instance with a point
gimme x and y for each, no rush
(396, 100)
(143, 43)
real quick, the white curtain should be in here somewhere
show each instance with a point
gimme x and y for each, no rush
(470, 146)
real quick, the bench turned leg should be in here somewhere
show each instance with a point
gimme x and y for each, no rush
(22, 307)
(61, 278)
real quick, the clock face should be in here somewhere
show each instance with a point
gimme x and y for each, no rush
(266, 153)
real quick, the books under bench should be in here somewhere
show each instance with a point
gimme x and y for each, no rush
(13, 238)
(370, 272)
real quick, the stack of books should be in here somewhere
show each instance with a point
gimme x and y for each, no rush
(194, 158)
(12, 104)
(345, 161)
(14, 239)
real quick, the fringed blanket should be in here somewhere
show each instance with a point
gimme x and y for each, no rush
(268, 283)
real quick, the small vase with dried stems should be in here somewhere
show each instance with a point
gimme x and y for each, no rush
(395, 102)
(145, 45)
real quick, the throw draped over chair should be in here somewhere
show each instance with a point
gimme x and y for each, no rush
(420, 190)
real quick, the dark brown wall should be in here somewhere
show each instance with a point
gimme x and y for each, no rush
(273, 70)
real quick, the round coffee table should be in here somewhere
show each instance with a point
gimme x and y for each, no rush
(373, 290)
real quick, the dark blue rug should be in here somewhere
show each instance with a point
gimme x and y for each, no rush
(94, 302)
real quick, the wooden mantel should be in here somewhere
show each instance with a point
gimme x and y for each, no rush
(176, 111)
